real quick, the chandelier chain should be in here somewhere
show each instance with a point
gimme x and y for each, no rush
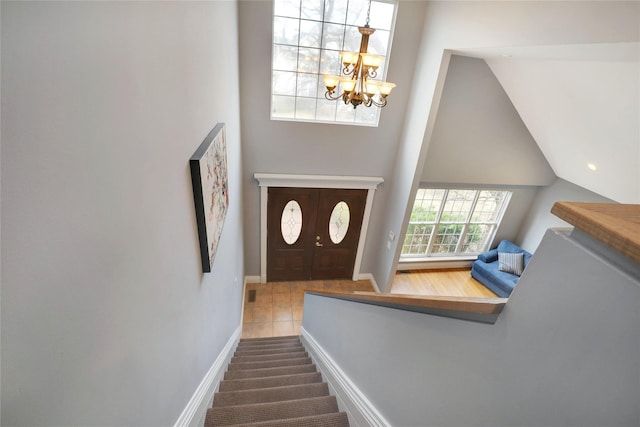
(368, 13)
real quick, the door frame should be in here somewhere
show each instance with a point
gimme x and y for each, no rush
(266, 180)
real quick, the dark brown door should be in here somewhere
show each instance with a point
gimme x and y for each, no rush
(313, 234)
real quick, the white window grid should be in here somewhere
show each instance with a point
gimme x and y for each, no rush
(458, 215)
(298, 61)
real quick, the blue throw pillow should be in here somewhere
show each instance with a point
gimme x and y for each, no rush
(511, 263)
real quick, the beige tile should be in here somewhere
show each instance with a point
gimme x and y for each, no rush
(246, 332)
(263, 298)
(282, 328)
(297, 286)
(262, 330)
(247, 317)
(280, 287)
(297, 324)
(297, 298)
(281, 298)
(282, 313)
(315, 285)
(262, 313)
(296, 312)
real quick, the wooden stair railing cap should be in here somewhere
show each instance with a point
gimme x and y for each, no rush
(615, 225)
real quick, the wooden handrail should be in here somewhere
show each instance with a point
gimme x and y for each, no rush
(484, 310)
(615, 225)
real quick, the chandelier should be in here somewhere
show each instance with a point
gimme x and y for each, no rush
(360, 68)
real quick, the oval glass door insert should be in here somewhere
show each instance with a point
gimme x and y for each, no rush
(339, 222)
(291, 222)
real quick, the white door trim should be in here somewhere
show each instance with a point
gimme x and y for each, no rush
(266, 180)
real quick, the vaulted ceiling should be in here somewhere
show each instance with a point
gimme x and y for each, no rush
(581, 104)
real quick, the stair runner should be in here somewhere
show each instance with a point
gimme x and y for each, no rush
(272, 382)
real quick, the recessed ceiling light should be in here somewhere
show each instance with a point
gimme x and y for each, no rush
(592, 167)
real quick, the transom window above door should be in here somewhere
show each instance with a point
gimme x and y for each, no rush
(308, 36)
(453, 222)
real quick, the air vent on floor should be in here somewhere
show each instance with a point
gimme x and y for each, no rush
(252, 295)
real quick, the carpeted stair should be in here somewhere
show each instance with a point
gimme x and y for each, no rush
(272, 382)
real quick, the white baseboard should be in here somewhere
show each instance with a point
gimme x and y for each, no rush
(196, 410)
(369, 276)
(360, 410)
(252, 279)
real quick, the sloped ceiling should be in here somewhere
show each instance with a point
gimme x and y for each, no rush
(581, 104)
(478, 136)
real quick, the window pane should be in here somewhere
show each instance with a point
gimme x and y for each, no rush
(283, 106)
(305, 108)
(309, 60)
(286, 8)
(285, 58)
(417, 239)
(345, 113)
(330, 62)
(476, 239)
(291, 222)
(378, 43)
(357, 14)
(352, 39)
(284, 83)
(381, 17)
(310, 33)
(312, 9)
(307, 85)
(367, 115)
(333, 37)
(458, 205)
(427, 205)
(286, 30)
(326, 110)
(488, 206)
(335, 11)
(446, 239)
(339, 222)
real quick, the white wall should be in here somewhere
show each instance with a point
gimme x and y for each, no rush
(107, 318)
(577, 122)
(540, 218)
(478, 136)
(473, 24)
(564, 351)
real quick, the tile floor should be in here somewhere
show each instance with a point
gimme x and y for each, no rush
(277, 310)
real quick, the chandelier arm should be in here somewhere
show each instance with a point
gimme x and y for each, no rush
(330, 95)
(379, 104)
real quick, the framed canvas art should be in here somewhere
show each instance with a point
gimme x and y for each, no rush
(209, 177)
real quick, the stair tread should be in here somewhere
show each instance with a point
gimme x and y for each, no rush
(237, 366)
(274, 356)
(281, 346)
(268, 382)
(273, 394)
(267, 339)
(335, 419)
(269, 372)
(243, 414)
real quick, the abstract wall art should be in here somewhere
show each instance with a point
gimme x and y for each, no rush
(210, 191)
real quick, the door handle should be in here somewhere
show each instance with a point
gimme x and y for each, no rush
(318, 244)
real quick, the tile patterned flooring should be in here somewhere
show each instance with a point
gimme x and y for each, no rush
(277, 310)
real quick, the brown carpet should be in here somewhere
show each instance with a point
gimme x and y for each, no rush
(272, 382)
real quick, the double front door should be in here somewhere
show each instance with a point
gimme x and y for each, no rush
(313, 234)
